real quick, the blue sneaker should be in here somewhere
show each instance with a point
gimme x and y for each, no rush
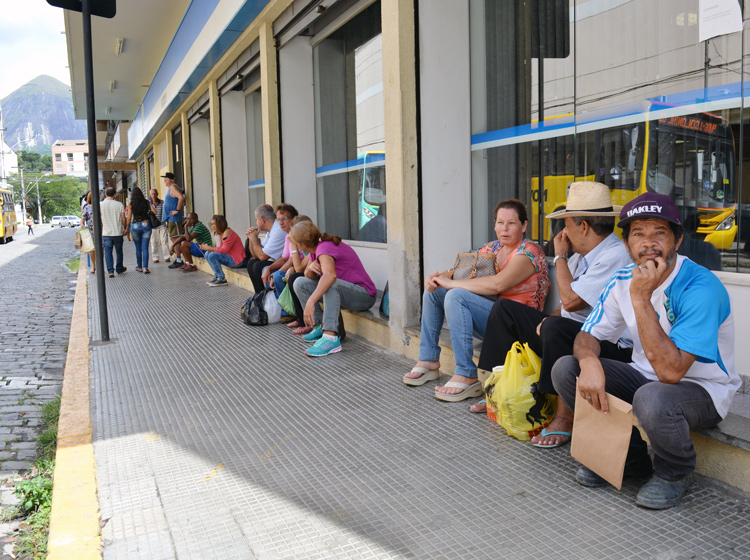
(324, 347)
(314, 334)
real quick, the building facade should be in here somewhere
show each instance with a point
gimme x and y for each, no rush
(398, 124)
(70, 157)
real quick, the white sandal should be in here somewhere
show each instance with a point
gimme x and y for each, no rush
(425, 375)
(467, 391)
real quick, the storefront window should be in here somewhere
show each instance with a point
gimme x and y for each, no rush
(350, 129)
(256, 190)
(641, 104)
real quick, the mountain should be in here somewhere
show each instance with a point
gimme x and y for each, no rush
(39, 113)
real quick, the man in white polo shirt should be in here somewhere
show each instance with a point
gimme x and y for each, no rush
(113, 227)
(682, 376)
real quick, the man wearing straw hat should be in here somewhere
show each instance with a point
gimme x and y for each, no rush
(682, 375)
(597, 254)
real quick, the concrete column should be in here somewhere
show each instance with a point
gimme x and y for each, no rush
(269, 92)
(186, 162)
(400, 99)
(214, 127)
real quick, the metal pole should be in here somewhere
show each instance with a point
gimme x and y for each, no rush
(23, 200)
(94, 168)
(38, 202)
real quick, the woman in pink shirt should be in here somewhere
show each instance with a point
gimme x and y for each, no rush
(335, 277)
(230, 251)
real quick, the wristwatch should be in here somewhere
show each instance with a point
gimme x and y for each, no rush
(561, 256)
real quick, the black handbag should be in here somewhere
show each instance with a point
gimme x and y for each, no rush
(153, 220)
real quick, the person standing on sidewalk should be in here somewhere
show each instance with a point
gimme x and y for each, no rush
(682, 376)
(114, 223)
(140, 227)
(174, 202)
(159, 243)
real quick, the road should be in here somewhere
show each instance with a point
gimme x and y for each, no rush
(36, 296)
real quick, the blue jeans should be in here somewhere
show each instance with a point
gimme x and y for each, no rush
(141, 237)
(467, 315)
(215, 260)
(666, 412)
(278, 286)
(109, 242)
(341, 295)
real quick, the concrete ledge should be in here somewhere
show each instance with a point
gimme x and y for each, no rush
(74, 519)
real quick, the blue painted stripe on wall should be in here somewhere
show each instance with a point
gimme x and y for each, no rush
(190, 27)
(375, 160)
(566, 125)
(256, 183)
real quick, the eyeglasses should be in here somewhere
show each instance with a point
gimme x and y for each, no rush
(283, 219)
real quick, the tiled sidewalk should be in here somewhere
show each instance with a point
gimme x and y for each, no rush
(218, 440)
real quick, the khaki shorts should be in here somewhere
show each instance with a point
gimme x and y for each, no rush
(174, 229)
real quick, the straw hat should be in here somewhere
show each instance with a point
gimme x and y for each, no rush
(587, 198)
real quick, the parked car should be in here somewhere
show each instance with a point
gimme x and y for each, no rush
(74, 221)
(55, 221)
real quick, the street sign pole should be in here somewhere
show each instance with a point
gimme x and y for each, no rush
(94, 168)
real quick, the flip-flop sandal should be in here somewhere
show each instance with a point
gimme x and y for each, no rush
(425, 375)
(293, 324)
(476, 404)
(302, 330)
(467, 391)
(546, 433)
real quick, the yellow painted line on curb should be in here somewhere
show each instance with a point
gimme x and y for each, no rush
(74, 520)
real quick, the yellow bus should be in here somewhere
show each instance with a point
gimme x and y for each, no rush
(690, 158)
(7, 216)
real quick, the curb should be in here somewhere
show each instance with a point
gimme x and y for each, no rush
(74, 519)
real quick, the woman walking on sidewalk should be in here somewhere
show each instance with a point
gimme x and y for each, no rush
(87, 221)
(140, 227)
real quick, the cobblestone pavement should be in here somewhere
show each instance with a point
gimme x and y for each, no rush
(36, 296)
(215, 440)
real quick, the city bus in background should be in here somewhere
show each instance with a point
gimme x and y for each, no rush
(371, 185)
(7, 214)
(690, 158)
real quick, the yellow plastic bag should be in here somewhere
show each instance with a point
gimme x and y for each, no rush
(512, 402)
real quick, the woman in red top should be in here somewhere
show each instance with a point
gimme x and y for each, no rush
(230, 251)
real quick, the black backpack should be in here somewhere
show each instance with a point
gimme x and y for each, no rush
(253, 312)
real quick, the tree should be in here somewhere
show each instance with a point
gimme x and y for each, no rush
(33, 162)
(58, 195)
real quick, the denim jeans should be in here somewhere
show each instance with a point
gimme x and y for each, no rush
(278, 286)
(666, 412)
(467, 315)
(141, 237)
(215, 260)
(341, 295)
(109, 242)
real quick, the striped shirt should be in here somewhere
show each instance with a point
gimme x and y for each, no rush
(202, 235)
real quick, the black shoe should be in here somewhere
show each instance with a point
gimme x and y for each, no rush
(586, 477)
(215, 283)
(176, 264)
(214, 279)
(111, 274)
(342, 330)
(659, 493)
(124, 269)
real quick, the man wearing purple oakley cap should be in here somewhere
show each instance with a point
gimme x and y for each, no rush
(682, 376)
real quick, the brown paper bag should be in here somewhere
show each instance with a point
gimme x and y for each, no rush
(601, 440)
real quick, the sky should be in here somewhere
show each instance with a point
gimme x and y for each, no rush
(31, 43)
